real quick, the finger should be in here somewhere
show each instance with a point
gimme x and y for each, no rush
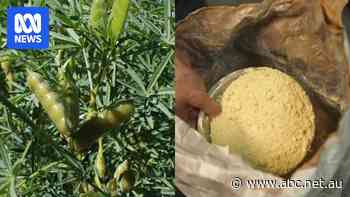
(194, 112)
(201, 100)
(188, 118)
(185, 113)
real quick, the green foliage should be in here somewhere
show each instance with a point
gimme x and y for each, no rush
(34, 159)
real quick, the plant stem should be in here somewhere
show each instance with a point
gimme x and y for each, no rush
(15, 110)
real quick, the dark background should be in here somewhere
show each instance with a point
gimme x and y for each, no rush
(184, 7)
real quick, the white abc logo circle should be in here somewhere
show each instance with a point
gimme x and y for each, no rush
(35, 23)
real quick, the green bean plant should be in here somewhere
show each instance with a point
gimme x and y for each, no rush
(93, 114)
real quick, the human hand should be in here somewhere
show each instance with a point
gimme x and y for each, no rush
(191, 93)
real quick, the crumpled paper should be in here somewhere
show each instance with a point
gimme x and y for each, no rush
(303, 38)
(207, 170)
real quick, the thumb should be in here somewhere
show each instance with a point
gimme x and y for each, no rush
(201, 100)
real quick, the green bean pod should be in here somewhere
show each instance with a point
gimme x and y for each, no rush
(100, 162)
(70, 97)
(98, 14)
(110, 119)
(127, 181)
(121, 169)
(49, 100)
(112, 186)
(97, 125)
(85, 187)
(117, 18)
(109, 3)
(124, 177)
(59, 56)
(97, 181)
(6, 67)
(91, 194)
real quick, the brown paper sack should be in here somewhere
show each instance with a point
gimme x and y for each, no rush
(303, 38)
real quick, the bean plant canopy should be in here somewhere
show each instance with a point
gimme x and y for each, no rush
(93, 114)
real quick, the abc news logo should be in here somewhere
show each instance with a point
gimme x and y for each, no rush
(28, 27)
(21, 27)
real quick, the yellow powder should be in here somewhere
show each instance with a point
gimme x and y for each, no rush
(267, 118)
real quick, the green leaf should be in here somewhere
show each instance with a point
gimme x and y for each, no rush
(166, 91)
(165, 110)
(62, 37)
(20, 160)
(4, 156)
(159, 71)
(74, 35)
(134, 76)
(70, 160)
(4, 185)
(44, 169)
